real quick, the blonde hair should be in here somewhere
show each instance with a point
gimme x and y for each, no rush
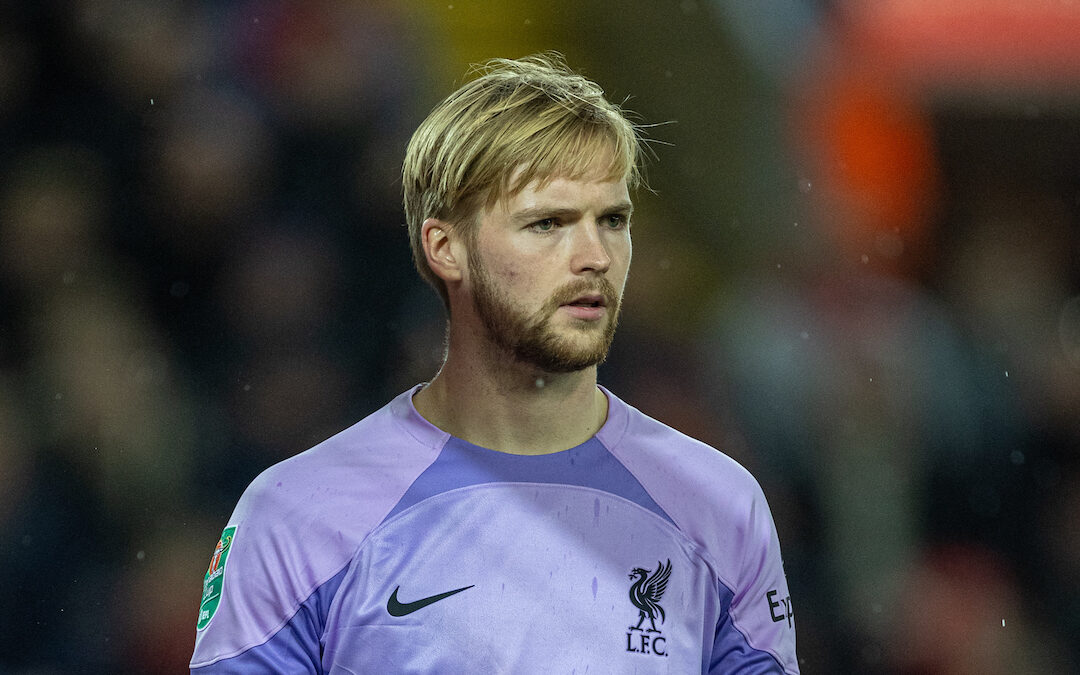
(529, 119)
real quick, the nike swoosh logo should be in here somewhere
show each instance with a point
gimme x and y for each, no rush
(397, 608)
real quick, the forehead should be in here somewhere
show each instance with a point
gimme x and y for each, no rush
(585, 193)
(596, 179)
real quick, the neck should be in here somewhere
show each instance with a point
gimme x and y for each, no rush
(505, 405)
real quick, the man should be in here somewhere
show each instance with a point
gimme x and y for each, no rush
(509, 516)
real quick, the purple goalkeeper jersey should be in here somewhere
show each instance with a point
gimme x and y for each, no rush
(394, 547)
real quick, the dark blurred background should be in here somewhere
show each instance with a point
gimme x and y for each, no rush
(857, 273)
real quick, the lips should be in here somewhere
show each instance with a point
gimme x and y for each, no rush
(588, 300)
(588, 307)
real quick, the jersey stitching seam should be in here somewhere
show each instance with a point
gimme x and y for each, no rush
(668, 522)
(411, 410)
(746, 637)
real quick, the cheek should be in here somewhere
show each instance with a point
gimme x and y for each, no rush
(504, 274)
(513, 282)
(500, 262)
(512, 268)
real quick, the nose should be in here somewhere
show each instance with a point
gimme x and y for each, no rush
(590, 253)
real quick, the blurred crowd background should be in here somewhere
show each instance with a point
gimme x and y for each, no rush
(857, 272)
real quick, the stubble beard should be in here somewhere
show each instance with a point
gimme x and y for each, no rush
(532, 339)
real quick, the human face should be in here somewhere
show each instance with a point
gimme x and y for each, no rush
(547, 269)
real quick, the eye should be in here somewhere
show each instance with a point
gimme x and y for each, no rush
(614, 221)
(545, 225)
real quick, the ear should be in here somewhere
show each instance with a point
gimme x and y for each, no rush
(444, 256)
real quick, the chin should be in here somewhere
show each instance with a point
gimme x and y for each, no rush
(556, 355)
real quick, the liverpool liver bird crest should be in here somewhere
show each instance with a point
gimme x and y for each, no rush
(646, 592)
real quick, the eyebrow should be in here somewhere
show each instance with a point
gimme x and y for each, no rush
(540, 212)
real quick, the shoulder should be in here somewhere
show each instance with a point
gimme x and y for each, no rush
(657, 452)
(299, 522)
(712, 498)
(719, 506)
(344, 484)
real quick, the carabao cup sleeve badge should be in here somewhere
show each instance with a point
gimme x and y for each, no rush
(214, 581)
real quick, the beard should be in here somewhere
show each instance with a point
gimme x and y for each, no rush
(532, 338)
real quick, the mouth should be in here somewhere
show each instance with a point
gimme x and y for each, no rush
(590, 300)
